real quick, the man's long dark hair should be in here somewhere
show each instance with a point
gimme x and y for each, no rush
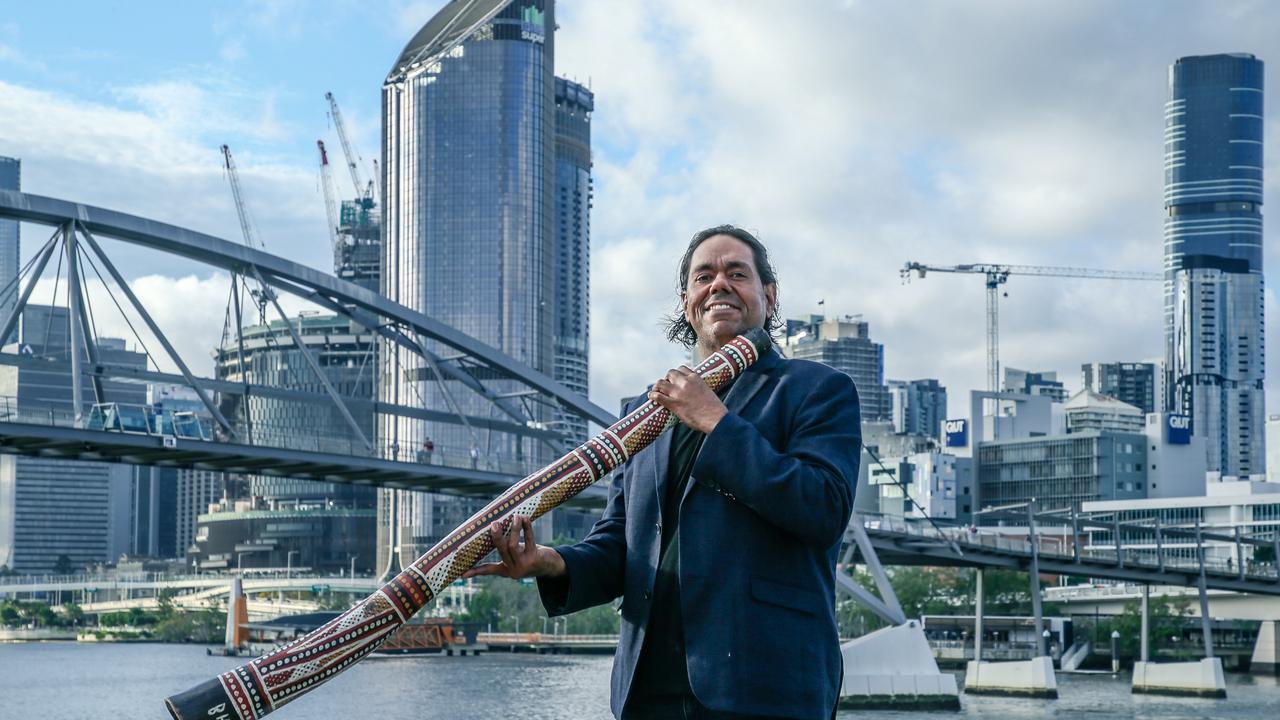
(678, 328)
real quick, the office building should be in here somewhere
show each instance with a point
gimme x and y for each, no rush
(10, 244)
(62, 514)
(282, 512)
(479, 141)
(1088, 410)
(937, 482)
(919, 406)
(269, 357)
(846, 345)
(1059, 471)
(1213, 259)
(1034, 383)
(1250, 507)
(1132, 383)
(245, 534)
(574, 104)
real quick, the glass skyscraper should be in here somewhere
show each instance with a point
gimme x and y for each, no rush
(574, 104)
(10, 243)
(469, 161)
(1213, 288)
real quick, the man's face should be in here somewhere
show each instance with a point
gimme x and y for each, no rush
(724, 296)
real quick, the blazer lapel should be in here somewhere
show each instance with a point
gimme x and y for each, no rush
(744, 389)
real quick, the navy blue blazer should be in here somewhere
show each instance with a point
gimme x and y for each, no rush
(760, 528)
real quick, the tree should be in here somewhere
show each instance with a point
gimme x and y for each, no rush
(1165, 616)
(63, 566)
(72, 614)
(9, 613)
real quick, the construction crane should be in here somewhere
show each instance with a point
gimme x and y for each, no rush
(353, 160)
(330, 202)
(233, 176)
(997, 275)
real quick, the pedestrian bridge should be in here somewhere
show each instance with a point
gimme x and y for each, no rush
(523, 401)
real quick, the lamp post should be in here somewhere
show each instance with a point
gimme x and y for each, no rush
(288, 573)
(353, 565)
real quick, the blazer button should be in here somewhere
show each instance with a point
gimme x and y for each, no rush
(658, 525)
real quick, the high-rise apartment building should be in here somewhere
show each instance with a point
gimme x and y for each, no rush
(845, 345)
(1132, 383)
(1213, 289)
(10, 244)
(470, 217)
(1034, 383)
(574, 104)
(919, 407)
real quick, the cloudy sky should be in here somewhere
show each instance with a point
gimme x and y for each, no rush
(852, 136)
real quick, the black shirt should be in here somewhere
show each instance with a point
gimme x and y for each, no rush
(662, 669)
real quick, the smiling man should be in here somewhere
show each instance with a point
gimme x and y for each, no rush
(721, 538)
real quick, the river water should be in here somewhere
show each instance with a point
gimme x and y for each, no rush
(65, 681)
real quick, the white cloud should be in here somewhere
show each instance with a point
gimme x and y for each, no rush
(857, 136)
(191, 311)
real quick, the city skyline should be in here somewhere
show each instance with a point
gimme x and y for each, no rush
(940, 161)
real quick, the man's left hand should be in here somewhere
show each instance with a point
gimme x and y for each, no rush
(684, 393)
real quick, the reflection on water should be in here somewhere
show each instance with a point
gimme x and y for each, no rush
(66, 680)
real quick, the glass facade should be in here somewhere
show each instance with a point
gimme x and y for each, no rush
(1133, 383)
(574, 104)
(270, 358)
(919, 407)
(845, 345)
(1062, 471)
(1213, 289)
(10, 243)
(469, 220)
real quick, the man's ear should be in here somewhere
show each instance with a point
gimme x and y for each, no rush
(771, 296)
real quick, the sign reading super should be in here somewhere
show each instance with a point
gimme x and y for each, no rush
(1177, 429)
(957, 433)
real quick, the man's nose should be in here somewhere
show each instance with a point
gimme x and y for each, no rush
(720, 283)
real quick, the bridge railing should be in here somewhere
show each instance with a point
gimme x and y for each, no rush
(1058, 543)
(152, 421)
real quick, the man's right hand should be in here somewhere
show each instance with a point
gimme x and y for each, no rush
(520, 559)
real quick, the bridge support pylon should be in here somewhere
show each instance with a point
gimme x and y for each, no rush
(893, 668)
(1266, 649)
(1030, 678)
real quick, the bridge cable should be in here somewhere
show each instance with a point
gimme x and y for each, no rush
(907, 492)
(48, 324)
(14, 285)
(136, 335)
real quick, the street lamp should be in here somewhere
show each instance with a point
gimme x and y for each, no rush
(288, 570)
(517, 619)
(353, 565)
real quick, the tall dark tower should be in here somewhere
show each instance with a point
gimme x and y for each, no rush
(1213, 256)
(574, 104)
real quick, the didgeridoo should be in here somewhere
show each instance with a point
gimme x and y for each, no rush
(260, 686)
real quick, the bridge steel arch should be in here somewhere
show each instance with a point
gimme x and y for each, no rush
(294, 278)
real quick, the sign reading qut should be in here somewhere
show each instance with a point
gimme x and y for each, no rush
(957, 433)
(1177, 429)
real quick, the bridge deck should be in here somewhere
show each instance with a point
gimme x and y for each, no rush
(79, 444)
